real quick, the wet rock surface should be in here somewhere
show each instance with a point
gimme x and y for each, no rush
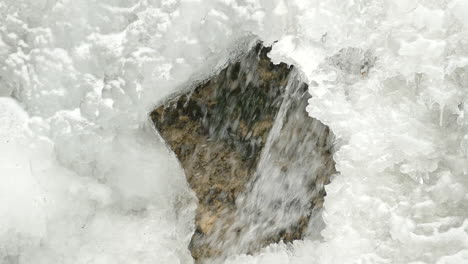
(218, 131)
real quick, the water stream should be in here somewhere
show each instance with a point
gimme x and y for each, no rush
(256, 160)
(288, 185)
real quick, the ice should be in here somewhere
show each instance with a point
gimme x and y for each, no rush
(19, 192)
(86, 179)
(53, 215)
(400, 142)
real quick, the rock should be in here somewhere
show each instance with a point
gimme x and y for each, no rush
(218, 131)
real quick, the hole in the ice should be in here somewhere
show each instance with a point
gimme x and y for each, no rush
(255, 159)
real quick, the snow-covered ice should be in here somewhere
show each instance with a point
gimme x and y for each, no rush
(86, 179)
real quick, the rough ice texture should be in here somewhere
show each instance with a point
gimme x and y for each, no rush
(87, 181)
(389, 79)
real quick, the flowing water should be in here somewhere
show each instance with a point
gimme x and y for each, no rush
(288, 185)
(255, 159)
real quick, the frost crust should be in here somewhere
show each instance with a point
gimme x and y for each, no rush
(86, 180)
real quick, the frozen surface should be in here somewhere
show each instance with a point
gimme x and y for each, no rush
(85, 179)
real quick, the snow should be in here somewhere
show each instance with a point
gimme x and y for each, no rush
(85, 178)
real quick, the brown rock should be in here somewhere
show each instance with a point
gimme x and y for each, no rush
(218, 131)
